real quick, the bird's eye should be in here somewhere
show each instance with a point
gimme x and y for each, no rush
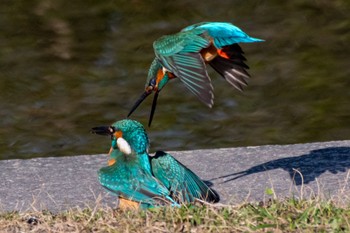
(152, 82)
(111, 129)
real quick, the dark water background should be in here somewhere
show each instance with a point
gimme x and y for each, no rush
(66, 66)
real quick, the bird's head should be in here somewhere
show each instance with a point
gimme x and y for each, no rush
(157, 82)
(127, 136)
(157, 78)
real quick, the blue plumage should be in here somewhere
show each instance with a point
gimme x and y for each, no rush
(223, 33)
(148, 181)
(184, 55)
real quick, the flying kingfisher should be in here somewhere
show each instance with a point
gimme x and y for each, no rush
(185, 54)
(142, 180)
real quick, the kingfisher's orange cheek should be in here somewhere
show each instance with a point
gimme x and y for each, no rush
(118, 134)
(160, 76)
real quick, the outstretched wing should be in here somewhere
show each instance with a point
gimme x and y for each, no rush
(184, 185)
(179, 53)
(225, 37)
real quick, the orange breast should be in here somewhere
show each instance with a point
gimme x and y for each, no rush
(111, 162)
(127, 204)
(160, 76)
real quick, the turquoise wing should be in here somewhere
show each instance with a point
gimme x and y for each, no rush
(179, 53)
(182, 42)
(184, 185)
(132, 184)
(223, 33)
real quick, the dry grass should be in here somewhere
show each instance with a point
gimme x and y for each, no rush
(311, 212)
(290, 215)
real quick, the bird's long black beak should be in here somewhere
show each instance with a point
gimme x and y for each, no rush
(139, 101)
(154, 105)
(103, 130)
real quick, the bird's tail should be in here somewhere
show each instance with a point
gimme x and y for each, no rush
(230, 65)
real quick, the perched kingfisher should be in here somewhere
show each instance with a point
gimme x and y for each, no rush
(142, 180)
(185, 54)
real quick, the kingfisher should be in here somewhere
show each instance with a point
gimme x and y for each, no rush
(185, 54)
(142, 180)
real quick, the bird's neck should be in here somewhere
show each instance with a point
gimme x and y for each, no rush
(144, 162)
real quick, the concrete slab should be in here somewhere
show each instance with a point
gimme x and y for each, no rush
(237, 174)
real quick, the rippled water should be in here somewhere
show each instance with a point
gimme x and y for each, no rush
(67, 66)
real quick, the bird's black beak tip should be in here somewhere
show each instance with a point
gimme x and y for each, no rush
(101, 130)
(153, 109)
(138, 102)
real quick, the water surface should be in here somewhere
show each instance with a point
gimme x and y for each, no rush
(68, 66)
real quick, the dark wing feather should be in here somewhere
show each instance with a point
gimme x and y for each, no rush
(191, 70)
(235, 54)
(234, 74)
(184, 185)
(233, 68)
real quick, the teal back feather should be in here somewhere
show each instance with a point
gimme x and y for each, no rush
(182, 42)
(184, 185)
(129, 179)
(223, 33)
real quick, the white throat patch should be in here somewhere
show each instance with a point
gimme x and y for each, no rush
(123, 146)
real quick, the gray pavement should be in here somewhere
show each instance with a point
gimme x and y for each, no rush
(237, 174)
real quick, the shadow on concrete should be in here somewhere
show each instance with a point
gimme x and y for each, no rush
(311, 165)
(210, 184)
